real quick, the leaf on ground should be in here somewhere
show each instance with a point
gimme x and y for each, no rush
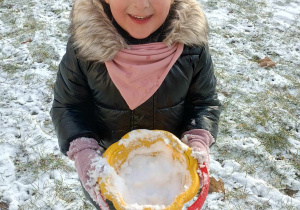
(225, 93)
(216, 186)
(290, 192)
(3, 205)
(266, 62)
(28, 40)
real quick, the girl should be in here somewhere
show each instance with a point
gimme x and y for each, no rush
(133, 64)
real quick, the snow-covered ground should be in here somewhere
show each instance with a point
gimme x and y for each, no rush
(257, 154)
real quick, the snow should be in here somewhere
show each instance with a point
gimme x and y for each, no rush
(152, 175)
(261, 105)
(149, 135)
(148, 180)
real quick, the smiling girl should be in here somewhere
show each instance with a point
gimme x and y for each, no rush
(133, 64)
(140, 18)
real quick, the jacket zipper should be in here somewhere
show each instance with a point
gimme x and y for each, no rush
(132, 120)
(153, 109)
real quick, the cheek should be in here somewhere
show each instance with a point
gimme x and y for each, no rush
(118, 16)
(163, 11)
(117, 10)
(163, 7)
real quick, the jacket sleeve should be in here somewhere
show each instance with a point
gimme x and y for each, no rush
(72, 105)
(202, 105)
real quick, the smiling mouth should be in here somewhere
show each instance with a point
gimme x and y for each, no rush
(140, 17)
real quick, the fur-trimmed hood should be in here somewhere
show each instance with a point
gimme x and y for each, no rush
(95, 38)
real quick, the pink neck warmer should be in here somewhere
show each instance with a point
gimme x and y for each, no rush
(139, 71)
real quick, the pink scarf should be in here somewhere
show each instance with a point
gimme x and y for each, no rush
(139, 71)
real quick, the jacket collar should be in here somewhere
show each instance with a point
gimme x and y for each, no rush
(95, 37)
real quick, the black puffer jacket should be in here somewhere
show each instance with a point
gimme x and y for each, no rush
(87, 103)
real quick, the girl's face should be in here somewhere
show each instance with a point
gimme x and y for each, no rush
(140, 18)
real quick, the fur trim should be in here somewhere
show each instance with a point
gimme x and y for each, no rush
(95, 38)
(190, 25)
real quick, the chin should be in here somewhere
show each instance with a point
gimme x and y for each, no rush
(140, 35)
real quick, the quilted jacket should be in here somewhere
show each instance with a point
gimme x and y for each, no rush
(88, 104)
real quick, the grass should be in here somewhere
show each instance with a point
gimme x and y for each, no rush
(40, 166)
(10, 68)
(61, 188)
(64, 193)
(272, 109)
(24, 27)
(31, 162)
(296, 161)
(43, 53)
(239, 193)
(255, 107)
(273, 141)
(43, 162)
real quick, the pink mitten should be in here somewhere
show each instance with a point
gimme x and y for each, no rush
(89, 164)
(199, 140)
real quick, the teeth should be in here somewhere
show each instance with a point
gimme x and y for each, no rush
(140, 18)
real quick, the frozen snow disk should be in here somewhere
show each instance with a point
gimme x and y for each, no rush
(152, 170)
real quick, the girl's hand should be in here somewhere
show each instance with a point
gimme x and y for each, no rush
(199, 140)
(89, 164)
